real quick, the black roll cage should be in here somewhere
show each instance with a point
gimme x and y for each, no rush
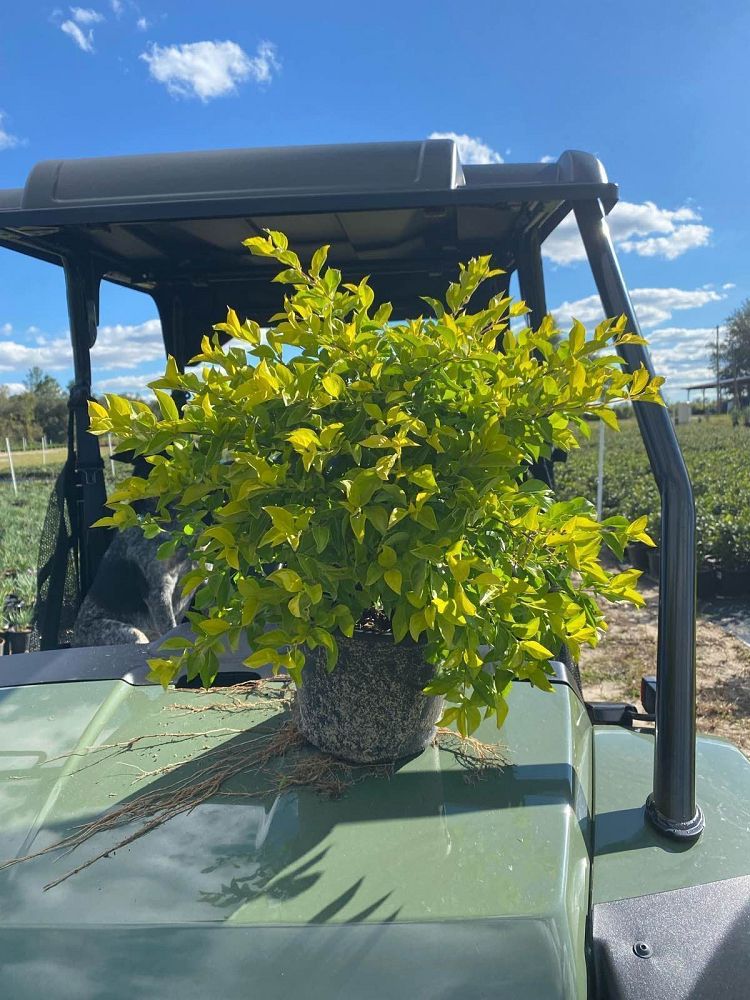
(142, 222)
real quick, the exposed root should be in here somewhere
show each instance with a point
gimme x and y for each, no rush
(138, 742)
(260, 754)
(477, 757)
(152, 809)
(279, 760)
(276, 689)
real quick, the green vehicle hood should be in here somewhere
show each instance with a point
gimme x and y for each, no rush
(424, 883)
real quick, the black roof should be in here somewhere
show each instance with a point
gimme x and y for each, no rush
(403, 212)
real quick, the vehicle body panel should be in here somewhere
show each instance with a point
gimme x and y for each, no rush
(630, 857)
(430, 845)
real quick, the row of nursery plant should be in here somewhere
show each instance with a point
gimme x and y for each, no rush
(718, 460)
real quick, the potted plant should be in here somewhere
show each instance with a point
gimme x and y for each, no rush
(638, 553)
(17, 611)
(733, 556)
(385, 466)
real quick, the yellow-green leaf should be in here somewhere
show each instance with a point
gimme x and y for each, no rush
(221, 534)
(214, 626)
(287, 579)
(162, 671)
(166, 405)
(387, 557)
(333, 384)
(303, 439)
(536, 650)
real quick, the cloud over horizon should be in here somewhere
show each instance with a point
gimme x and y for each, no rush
(652, 305)
(644, 229)
(119, 346)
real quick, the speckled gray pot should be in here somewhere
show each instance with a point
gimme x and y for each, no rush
(370, 709)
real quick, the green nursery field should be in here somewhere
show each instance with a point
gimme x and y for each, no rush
(22, 516)
(718, 459)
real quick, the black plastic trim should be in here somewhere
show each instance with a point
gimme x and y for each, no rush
(226, 208)
(688, 830)
(683, 944)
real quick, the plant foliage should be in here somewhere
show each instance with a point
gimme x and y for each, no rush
(381, 464)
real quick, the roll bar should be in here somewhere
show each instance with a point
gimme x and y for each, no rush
(671, 807)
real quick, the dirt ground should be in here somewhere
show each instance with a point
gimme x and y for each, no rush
(613, 671)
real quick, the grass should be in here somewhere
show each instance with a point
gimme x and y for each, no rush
(22, 516)
(33, 460)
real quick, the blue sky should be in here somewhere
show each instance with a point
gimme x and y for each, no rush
(657, 91)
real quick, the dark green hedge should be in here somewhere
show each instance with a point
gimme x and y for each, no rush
(718, 459)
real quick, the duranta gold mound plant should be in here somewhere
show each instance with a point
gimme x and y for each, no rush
(382, 465)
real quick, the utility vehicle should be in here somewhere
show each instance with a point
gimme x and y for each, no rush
(611, 858)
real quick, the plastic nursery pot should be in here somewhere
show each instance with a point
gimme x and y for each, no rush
(637, 553)
(654, 564)
(733, 582)
(370, 708)
(18, 642)
(707, 583)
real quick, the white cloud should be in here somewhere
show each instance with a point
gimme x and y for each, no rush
(142, 24)
(85, 15)
(548, 159)
(683, 354)
(83, 39)
(6, 328)
(677, 336)
(682, 239)
(127, 383)
(471, 149)
(7, 139)
(209, 69)
(652, 305)
(117, 7)
(14, 388)
(264, 63)
(123, 346)
(644, 229)
(728, 286)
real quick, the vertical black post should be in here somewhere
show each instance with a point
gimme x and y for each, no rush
(89, 466)
(531, 277)
(171, 309)
(671, 807)
(531, 286)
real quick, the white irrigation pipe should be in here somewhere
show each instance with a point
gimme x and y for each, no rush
(111, 460)
(600, 474)
(12, 470)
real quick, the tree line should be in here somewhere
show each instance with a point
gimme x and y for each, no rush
(41, 410)
(734, 346)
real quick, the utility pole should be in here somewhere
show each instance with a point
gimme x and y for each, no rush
(718, 385)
